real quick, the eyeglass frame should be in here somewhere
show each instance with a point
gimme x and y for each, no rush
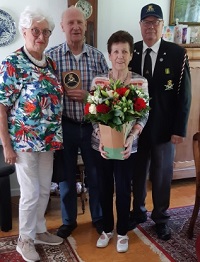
(153, 23)
(43, 32)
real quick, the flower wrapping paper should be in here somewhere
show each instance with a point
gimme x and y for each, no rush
(114, 140)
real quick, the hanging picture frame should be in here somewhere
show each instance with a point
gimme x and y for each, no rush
(186, 11)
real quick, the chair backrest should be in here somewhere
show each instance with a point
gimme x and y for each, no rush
(196, 152)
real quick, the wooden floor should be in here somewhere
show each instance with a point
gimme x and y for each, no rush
(85, 235)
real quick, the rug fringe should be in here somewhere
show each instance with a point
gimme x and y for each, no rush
(146, 241)
(72, 242)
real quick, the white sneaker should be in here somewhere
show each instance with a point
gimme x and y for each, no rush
(104, 239)
(48, 239)
(27, 250)
(122, 243)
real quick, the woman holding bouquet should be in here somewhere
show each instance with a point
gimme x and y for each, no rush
(113, 172)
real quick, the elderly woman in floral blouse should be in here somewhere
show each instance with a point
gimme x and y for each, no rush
(30, 127)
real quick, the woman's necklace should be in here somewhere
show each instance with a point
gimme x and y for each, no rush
(40, 63)
(124, 81)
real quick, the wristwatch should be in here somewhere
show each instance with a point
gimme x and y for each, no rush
(85, 6)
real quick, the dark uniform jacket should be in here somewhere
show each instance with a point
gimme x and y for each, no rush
(169, 91)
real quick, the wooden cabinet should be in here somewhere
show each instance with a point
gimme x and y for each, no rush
(183, 162)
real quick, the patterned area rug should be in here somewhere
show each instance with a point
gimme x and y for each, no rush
(61, 253)
(179, 248)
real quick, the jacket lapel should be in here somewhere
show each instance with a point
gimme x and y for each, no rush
(138, 57)
(161, 58)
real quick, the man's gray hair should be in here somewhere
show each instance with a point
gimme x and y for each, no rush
(30, 15)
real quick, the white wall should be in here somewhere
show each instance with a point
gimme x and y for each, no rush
(113, 15)
(51, 7)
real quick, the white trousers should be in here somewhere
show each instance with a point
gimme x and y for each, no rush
(34, 173)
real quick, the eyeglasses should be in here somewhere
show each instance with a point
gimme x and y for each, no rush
(36, 32)
(148, 23)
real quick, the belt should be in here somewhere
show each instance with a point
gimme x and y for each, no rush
(72, 121)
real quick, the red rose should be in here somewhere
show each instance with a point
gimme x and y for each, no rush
(139, 104)
(86, 109)
(102, 108)
(121, 90)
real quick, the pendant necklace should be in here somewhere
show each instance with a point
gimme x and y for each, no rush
(124, 81)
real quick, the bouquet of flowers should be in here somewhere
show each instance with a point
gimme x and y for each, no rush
(113, 104)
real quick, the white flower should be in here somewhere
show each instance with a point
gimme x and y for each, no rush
(110, 93)
(94, 99)
(92, 109)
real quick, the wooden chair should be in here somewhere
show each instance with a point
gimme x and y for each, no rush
(80, 178)
(197, 247)
(58, 175)
(196, 152)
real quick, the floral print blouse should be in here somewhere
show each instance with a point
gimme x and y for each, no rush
(34, 98)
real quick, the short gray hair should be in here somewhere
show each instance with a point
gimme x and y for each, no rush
(30, 15)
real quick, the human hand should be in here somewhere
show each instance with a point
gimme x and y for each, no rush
(77, 95)
(101, 150)
(128, 145)
(101, 146)
(10, 156)
(177, 139)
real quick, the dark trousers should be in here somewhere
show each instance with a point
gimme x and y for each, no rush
(77, 136)
(115, 174)
(158, 162)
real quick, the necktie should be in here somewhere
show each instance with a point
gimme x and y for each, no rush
(147, 68)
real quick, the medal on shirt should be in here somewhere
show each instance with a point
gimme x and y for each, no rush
(72, 79)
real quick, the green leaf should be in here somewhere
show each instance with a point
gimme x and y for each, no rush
(117, 112)
(104, 93)
(117, 121)
(107, 102)
(127, 93)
